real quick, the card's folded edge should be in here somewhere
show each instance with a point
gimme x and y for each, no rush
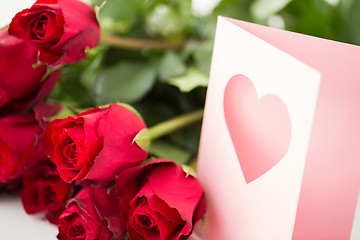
(298, 45)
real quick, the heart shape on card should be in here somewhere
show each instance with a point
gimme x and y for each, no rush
(260, 129)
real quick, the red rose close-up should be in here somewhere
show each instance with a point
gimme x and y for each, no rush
(44, 191)
(60, 29)
(82, 217)
(159, 201)
(21, 85)
(18, 145)
(94, 145)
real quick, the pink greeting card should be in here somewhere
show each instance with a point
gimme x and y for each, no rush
(280, 146)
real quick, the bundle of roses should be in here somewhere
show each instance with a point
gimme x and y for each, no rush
(87, 173)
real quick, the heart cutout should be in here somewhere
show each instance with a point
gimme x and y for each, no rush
(260, 129)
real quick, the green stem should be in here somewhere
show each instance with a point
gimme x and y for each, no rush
(145, 136)
(175, 124)
(135, 43)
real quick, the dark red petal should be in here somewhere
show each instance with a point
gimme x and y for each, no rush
(127, 186)
(13, 127)
(106, 204)
(15, 28)
(159, 205)
(84, 202)
(45, 88)
(21, 89)
(44, 111)
(130, 181)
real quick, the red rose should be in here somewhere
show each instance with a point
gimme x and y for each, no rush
(82, 220)
(160, 201)
(21, 85)
(94, 145)
(61, 29)
(18, 145)
(44, 191)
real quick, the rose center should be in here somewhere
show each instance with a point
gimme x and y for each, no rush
(145, 222)
(71, 153)
(40, 27)
(77, 229)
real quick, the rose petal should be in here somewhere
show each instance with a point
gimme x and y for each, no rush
(83, 205)
(21, 89)
(43, 111)
(14, 153)
(117, 129)
(130, 181)
(178, 191)
(106, 204)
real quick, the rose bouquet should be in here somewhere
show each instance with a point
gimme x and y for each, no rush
(89, 170)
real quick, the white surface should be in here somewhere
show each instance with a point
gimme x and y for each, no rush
(355, 235)
(15, 224)
(10, 8)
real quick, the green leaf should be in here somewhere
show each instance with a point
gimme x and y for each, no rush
(69, 90)
(262, 9)
(187, 138)
(202, 56)
(191, 80)
(94, 64)
(119, 15)
(171, 65)
(184, 11)
(189, 170)
(189, 49)
(163, 149)
(125, 82)
(143, 139)
(352, 22)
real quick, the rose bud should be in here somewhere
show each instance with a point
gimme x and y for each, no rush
(94, 145)
(159, 201)
(61, 29)
(81, 219)
(18, 145)
(44, 191)
(21, 85)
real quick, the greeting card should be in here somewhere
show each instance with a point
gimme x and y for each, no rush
(280, 146)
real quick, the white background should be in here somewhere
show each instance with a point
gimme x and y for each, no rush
(15, 224)
(10, 8)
